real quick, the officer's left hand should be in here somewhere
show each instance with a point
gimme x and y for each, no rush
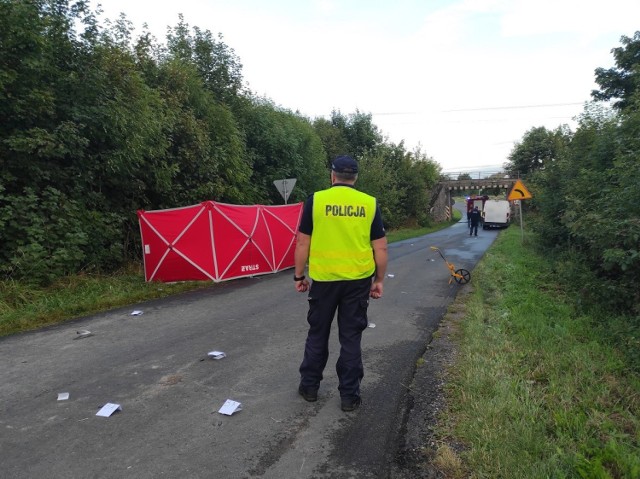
(376, 290)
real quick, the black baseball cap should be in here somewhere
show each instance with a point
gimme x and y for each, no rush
(344, 164)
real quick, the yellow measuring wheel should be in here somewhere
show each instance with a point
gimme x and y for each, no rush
(460, 276)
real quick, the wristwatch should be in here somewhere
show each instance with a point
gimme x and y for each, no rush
(298, 278)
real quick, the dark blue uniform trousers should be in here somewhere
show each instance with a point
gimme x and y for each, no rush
(351, 300)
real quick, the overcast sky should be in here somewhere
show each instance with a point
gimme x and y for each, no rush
(461, 79)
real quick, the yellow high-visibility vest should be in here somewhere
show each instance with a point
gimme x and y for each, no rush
(340, 242)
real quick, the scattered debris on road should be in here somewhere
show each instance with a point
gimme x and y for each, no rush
(229, 407)
(83, 333)
(108, 409)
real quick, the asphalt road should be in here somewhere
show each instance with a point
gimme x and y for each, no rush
(155, 366)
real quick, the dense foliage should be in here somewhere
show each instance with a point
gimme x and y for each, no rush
(98, 124)
(586, 190)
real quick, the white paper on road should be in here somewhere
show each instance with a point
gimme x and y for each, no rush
(108, 409)
(84, 333)
(217, 354)
(391, 276)
(63, 396)
(229, 407)
(371, 325)
(136, 313)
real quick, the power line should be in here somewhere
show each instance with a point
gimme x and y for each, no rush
(549, 105)
(477, 120)
(486, 108)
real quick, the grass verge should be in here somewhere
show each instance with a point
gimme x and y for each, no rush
(535, 391)
(24, 307)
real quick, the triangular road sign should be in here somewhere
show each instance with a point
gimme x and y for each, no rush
(285, 187)
(519, 192)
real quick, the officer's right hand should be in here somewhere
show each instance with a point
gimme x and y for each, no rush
(302, 286)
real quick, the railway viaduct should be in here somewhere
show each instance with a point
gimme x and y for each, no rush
(442, 193)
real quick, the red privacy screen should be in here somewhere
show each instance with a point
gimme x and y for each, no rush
(217, 241)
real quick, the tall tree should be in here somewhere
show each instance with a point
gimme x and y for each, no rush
(206, 151)
(378, 180)
(333, 138)
(359, 131)
(622, 81)
(217, 64)
(422, 175)
(281, 145)
(539, 147)
(38, 61)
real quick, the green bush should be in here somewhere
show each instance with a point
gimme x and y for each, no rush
(49, 235)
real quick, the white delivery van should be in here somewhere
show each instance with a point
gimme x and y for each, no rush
(496, 214)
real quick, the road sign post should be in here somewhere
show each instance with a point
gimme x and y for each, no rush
(285, 186)
(518, 193)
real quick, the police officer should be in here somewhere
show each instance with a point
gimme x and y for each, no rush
(342, 236)
(475, 220)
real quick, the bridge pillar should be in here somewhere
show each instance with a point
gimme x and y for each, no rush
(440, 203)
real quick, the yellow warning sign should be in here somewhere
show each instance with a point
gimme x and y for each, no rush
(519, 192)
